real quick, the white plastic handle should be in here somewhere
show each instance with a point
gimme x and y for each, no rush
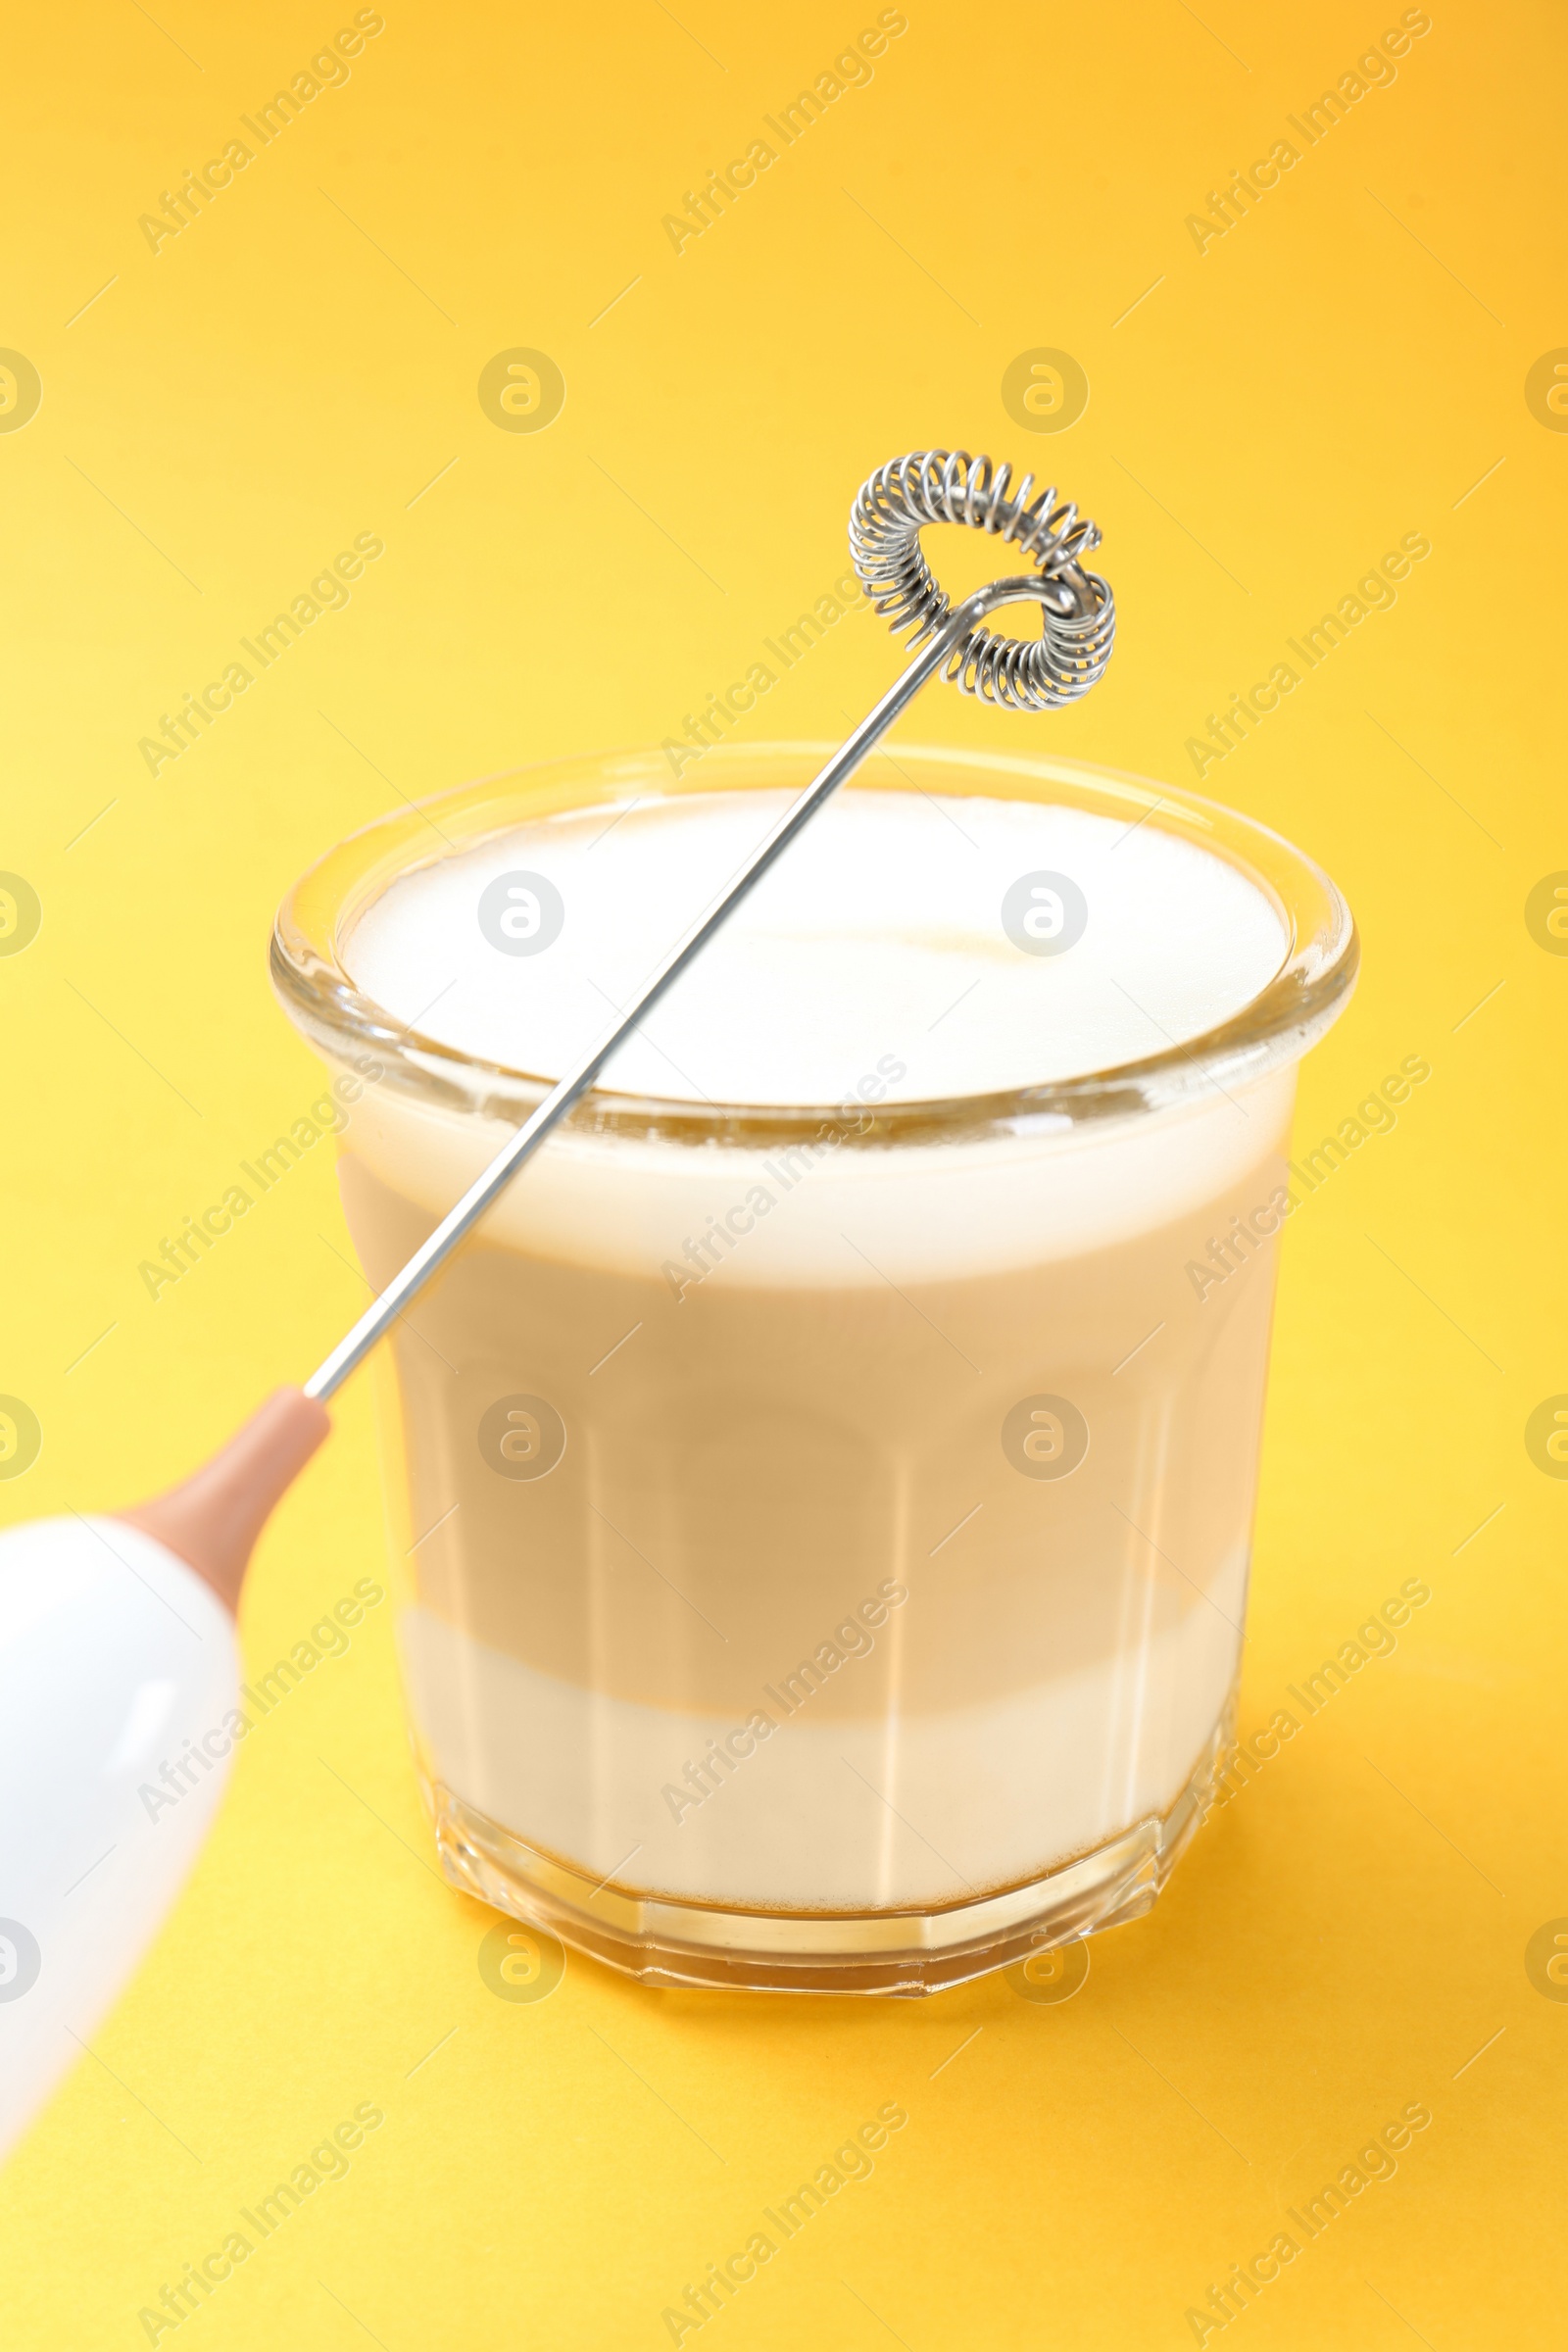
(118, 1701)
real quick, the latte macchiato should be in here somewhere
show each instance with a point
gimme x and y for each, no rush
(815, 1505)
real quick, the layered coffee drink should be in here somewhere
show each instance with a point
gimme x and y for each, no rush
(826, 1479)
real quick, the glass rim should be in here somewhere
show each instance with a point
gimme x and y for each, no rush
(1278, 1024)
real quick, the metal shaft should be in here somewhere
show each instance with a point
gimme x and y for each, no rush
(460, 1220)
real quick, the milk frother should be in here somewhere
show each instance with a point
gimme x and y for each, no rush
(118, 1670)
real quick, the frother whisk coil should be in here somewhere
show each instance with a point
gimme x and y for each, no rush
(938, 485)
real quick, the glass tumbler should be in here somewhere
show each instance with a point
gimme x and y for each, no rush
(845, 1619)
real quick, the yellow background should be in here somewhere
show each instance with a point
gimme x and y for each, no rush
(1342, 368)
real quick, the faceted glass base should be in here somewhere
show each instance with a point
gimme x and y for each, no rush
(661, 1940)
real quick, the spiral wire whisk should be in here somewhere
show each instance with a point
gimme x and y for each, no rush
(937, 485)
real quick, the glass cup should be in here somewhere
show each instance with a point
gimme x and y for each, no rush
(779, 1614)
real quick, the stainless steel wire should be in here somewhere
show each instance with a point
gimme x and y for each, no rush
(938, 485)
(1079, 619)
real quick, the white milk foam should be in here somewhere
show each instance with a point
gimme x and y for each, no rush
(875, 946)
(877, 937)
